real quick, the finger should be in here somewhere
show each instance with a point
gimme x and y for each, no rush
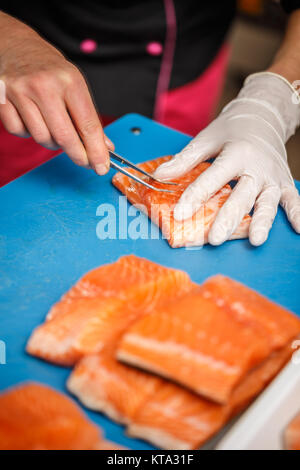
(264, 214)
(239, 203)
(62, 129)
(208, 183)
(83, 113)
(110, 145)
(290, 201)
(12, 121)
(34, 122)
(198, 150)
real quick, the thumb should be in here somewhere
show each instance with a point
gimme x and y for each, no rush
(199, 149)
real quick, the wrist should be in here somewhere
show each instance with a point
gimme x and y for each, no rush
(287, 68)
(277, 94)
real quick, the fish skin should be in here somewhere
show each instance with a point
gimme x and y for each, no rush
(36, 417)
(101, 305)
(159, 206)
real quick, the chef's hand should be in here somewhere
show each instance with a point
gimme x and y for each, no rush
(248, 138)
(48, 98)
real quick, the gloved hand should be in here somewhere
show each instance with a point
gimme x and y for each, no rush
(248, 138)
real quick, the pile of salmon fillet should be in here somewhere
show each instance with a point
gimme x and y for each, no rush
(172, 360)
(36, 417)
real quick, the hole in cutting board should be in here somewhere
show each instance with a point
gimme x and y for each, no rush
(136, 130)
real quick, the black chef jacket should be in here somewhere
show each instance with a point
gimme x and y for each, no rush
(121, 71)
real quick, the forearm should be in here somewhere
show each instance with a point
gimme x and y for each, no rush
(10, 28)
(47, 97)
(16, 38)
(287, 59)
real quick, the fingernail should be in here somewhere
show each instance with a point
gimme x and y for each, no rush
(159, 173)
(217, 238)
(183, 211)
(164, 170)
(258, 238)
(101, 169)
(296, 225)
(109, 143)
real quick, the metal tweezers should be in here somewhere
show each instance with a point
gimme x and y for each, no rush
(115, 156)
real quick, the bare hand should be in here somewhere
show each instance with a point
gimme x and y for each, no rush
(47, 97)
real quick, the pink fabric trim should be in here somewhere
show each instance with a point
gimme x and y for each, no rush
(167, 59)
(191, 107)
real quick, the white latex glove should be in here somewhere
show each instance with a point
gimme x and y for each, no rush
(249, 138)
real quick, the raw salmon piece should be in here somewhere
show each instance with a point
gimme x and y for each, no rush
(159, 206)
(195, 343)
(292, 434)
(103, 384)
(131, 279)
(132, 397)
(159, 411)
(108, 445)
(36, 417)
(101, 305)
(86, 326)
(175, 418)
(250, 307)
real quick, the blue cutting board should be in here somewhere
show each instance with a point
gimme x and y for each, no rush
(48, 240)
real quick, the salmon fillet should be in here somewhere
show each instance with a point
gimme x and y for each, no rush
(102, 305)
(159, 206)
(249, 307)
(103, 384)
(36, 417)
(200, 345)
(175, 418)
(159, 411)
(108, 445)
(195, 343)
(292, 434)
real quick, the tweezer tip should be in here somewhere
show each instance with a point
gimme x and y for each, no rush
(164, 190)
(163, 182)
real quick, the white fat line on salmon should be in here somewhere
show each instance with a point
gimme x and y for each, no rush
(119, 460)
(171, 411)
(179, 349)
